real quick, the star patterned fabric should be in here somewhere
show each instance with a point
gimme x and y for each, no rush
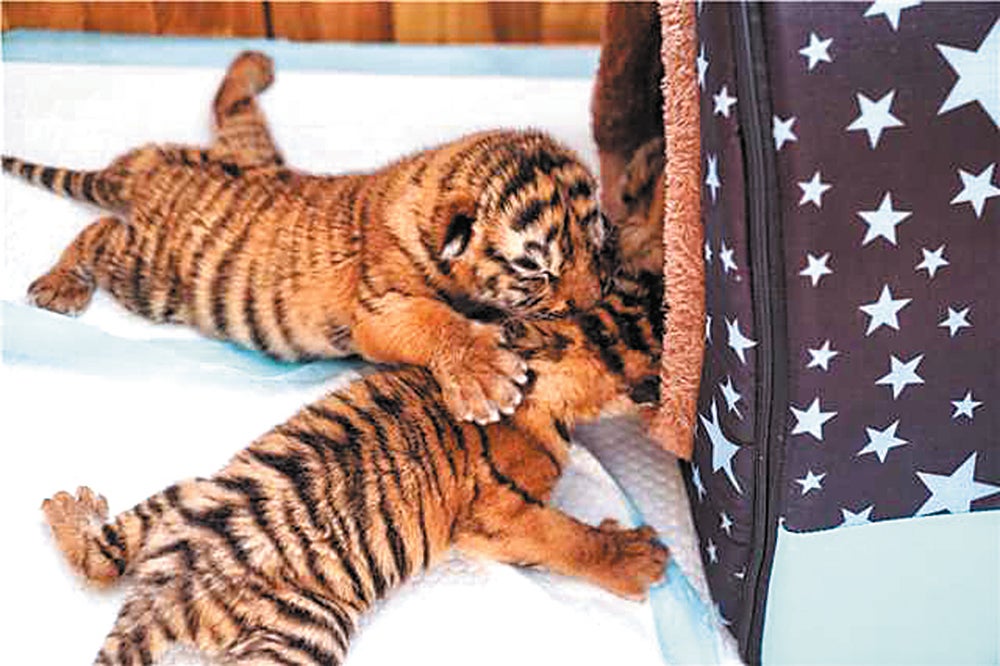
(882, 121)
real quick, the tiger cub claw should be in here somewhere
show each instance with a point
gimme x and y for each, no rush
(481, 382)
(635, 559)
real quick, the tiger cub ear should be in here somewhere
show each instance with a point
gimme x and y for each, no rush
(454, 218)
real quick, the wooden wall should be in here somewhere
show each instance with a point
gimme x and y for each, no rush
(405, 22)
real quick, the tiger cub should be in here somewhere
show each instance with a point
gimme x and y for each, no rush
(273, 559)
(413, 263)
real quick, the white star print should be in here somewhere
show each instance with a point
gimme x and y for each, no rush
(726, 523)
(698, 485)
(955, 321)
(816, 268)
(965, 406)
(954, 492)
(884, 311)
(737, 341)
(816, 51)
(782, 131)
(726, 257)
(723, 450)
(712, 179)
(723, 102)
(708, 253)
(902, 374)
(708, 328)
(741, 574)
(977, 189)
(811, 420)
(977, 75)
(820, 358)
(702, 63)
(891, 9)
(811, 481)
(731, 396)
(883, 221)
(713, 552)
(932, 261)
(880, 441)
(812, 191)
(875, 117)
(852, 519)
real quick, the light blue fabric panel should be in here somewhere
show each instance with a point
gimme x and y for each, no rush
(36, 337)
(921, 591)
(104, 49)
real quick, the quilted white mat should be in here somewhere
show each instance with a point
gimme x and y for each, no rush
(128, 407)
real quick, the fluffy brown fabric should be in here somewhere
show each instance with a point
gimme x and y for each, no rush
(684, 270)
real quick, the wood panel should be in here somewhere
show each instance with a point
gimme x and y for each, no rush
(333, 21)
(408, 22)
(154, 18)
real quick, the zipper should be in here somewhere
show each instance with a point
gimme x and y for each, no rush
(767, 290)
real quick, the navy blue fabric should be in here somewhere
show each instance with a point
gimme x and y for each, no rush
(885, 142)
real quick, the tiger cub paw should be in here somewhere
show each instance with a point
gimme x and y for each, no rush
(633, 559)
(74, 521)
(61, 291)
(479, 379)
(253, 69)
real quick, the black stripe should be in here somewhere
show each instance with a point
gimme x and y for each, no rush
(562, 429)
(320, 444)
(396, 544)
(628, 328)
(250, 311)
(541, 161)
(257, 501)
(597, 334)
(499, 476)
(27, 170)
(88, 187)
(48, 176)
(356, 495)
(529, 214)
(580, 188)
(220, 280)
(67, 183)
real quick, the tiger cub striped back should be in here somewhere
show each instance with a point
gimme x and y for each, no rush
(272, 559)
(413, 263)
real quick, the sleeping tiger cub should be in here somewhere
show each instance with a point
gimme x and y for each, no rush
(413, 263)
(272, 559)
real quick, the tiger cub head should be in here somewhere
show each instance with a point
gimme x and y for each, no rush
(533, 243)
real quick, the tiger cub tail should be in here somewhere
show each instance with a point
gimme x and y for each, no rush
(96, 548)
(96, 187)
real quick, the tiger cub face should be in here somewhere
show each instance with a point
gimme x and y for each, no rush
(540, 251)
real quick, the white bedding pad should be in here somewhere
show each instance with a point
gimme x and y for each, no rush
(128, 407)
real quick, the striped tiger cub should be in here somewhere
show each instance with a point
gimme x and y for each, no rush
(414, 263)
(273, 559)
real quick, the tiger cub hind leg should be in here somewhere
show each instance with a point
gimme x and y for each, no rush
(242, 137)
(69, 285)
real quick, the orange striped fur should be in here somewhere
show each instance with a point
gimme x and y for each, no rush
(272, 559)
(414, 263)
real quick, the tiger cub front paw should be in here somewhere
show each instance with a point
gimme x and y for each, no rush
(61, 291)
(479, 379)
(633, 559)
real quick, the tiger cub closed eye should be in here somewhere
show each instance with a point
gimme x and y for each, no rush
(413, 263)
(272, 559)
